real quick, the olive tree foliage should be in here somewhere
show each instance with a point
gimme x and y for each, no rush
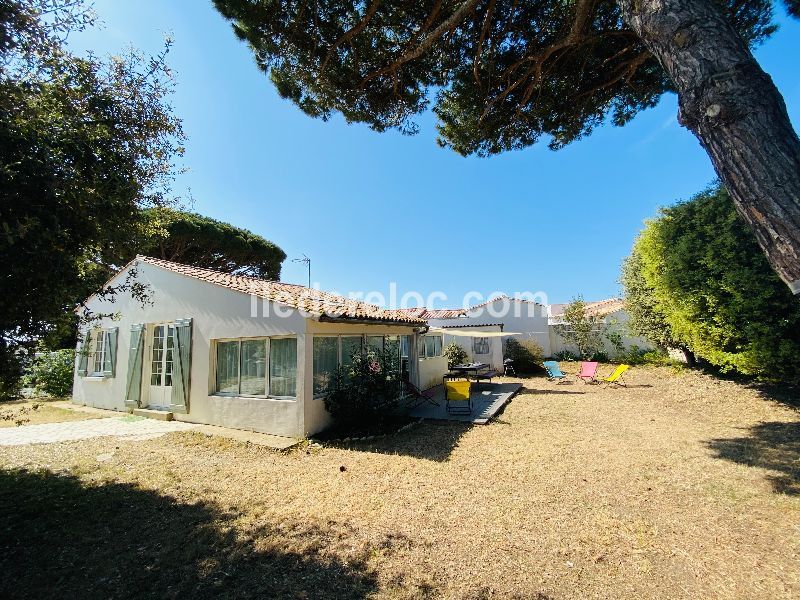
(85, 144)
(454, 354)
(696, 271)
(584, 330)
(502, 74)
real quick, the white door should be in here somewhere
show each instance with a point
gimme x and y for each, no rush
(161, 366)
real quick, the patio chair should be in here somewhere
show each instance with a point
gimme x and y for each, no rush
(554, 371)
(616, 376)
(588, 372)
(422, 397)
(458, 397)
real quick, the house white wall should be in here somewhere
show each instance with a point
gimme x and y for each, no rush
(431, 371)
(495, 355)
(515, 315)
(216, 313)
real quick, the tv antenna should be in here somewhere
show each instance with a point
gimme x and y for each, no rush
(306, 261)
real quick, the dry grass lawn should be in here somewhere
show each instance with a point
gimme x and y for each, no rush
(680, 486)
(34, 412)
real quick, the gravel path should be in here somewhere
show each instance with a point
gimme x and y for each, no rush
(127, 427)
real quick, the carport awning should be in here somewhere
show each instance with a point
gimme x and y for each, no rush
(467, 332)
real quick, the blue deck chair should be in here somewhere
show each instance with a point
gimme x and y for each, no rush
(554, 371)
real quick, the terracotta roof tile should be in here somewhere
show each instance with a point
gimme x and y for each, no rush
(310, 300)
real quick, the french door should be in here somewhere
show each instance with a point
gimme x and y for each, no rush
(161, 362)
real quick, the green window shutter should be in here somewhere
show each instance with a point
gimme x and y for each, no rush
(133, 389)
(110, 363)
(83, 355)
(181, 366)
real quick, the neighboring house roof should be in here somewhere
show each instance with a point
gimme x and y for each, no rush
(457, 313)
(443, 313)
(310, 300)
(600, 308)
(471, 326)
(504, 297)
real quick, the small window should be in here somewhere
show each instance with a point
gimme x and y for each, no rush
(100, 351)
(351, 346)
(253, 379)
(430, 346)
(480, 345)
(283, 367)
(228, 367)
(326, 359)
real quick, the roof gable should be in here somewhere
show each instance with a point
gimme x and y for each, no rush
(315, 302)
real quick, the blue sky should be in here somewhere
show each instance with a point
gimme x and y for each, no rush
(372, 208)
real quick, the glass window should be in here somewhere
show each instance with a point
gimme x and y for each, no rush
(351, 346)
(405, 345)
(326, 359)
(228, 367)
(429, 346)
(170, 342)
(437, 345)
(421, 347)
(392, 347)
(283, 367)
(99, 358)
(375, 342)
(480, 345)
(157, 360)
(253, 379)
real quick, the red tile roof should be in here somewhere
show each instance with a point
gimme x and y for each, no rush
(442, 313)
(599, 308)
(310, 300)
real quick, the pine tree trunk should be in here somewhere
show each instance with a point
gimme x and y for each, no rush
(736, 112)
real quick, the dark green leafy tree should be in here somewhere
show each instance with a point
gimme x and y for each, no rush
(501, 74)
(526, 355)
(85, 145)
(641, 305)
(705, 278)
(365, 393)
(193, 239)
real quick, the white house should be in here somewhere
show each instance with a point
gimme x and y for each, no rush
(235, 351)
(502, 313)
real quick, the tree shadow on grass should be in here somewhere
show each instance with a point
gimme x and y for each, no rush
(774, 446)
(61, 537)
(428, 440)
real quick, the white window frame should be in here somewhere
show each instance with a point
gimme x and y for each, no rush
(364, 348)
(482, 341)
(268, 396)
(99, 336)
(423, 350)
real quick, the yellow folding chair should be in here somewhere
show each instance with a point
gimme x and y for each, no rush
(616, 376)
(458, 397)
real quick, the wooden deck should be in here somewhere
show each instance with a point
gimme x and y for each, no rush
(487, 400)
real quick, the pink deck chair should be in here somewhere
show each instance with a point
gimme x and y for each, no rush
(588, 372)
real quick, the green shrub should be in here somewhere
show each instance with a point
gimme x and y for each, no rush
(51, 372)
(526, 354)
(455, 354)
(565, 355)
(599, 356)
(366, 392)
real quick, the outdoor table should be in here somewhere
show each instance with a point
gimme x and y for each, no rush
(473, 368)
